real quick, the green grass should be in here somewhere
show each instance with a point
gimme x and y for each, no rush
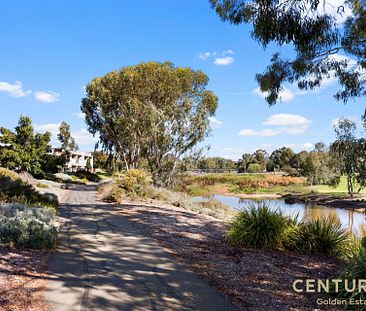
(104, 175)
(342, 188)
(258, 227)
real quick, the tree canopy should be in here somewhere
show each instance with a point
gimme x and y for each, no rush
(23, 150)
(64, 136)
(321, 42)
(349, 153)
(152, 111)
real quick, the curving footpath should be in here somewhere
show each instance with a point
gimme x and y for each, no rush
(103, 262)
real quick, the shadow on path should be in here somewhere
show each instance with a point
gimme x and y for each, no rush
(103, 262)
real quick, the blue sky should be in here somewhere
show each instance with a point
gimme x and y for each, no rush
(49, 50)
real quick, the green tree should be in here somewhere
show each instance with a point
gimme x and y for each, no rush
(316, 36)
(245, 161)
(64, 136)
(283, 158)
(348, 153)
(153, 111)
(23, 150)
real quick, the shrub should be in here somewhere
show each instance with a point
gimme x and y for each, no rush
(17, 191)
(40, 185)
(213, 208)
(323, 236)
(355, 270)
(258, 227)
(134, 183)
(25, 227)
(255, 168)
(8, 173)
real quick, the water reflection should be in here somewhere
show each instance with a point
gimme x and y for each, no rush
(354, 221)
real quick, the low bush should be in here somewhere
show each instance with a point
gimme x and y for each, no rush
(8, 173)
(14, 190)
(258, 226)
(133, 183)
(255, 168)
(355, 270)
(25, 227)
(213, 208)
(40, 185)
(323, 236)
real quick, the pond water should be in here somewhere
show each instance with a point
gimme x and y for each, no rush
(352, 220)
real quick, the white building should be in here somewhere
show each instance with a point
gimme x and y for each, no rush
(77, 160)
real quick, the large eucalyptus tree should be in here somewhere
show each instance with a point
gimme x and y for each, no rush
(152, 111)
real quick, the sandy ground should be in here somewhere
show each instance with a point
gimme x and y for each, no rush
(252, 279)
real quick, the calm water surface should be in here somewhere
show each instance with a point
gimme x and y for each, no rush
(352, 220)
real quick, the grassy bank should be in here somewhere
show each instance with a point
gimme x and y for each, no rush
(234, 184)
(207, 184)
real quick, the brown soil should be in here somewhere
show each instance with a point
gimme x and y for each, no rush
(252, 279)
(22, 280)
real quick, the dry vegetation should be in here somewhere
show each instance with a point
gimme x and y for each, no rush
(243, 183)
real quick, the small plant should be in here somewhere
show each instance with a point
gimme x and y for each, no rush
(26, 227)
(134, 183)
(354, 271)
(40, 185)
(323, 236)
(259, 227)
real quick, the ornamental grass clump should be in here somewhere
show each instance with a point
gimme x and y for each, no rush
(354, 271)
(258, 226)
(323, 236)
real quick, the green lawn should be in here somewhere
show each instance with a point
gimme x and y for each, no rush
(342, 188)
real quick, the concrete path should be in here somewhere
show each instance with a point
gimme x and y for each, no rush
(103, 262)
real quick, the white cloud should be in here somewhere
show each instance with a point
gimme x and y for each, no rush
(46, 96)
(83, 137)
(204, 55)
(300, 147)
(286, 95)
(53, 128)
(219, 58)
(223, 61)
(337, 8)
(261, 133)
(356, 120)
(284, 119)
(215, 122)
(290, 124)
(80, 115)
(14, 90)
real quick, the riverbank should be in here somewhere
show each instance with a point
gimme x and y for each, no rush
(330, 200)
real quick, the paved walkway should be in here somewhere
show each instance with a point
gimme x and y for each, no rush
(103, 262)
